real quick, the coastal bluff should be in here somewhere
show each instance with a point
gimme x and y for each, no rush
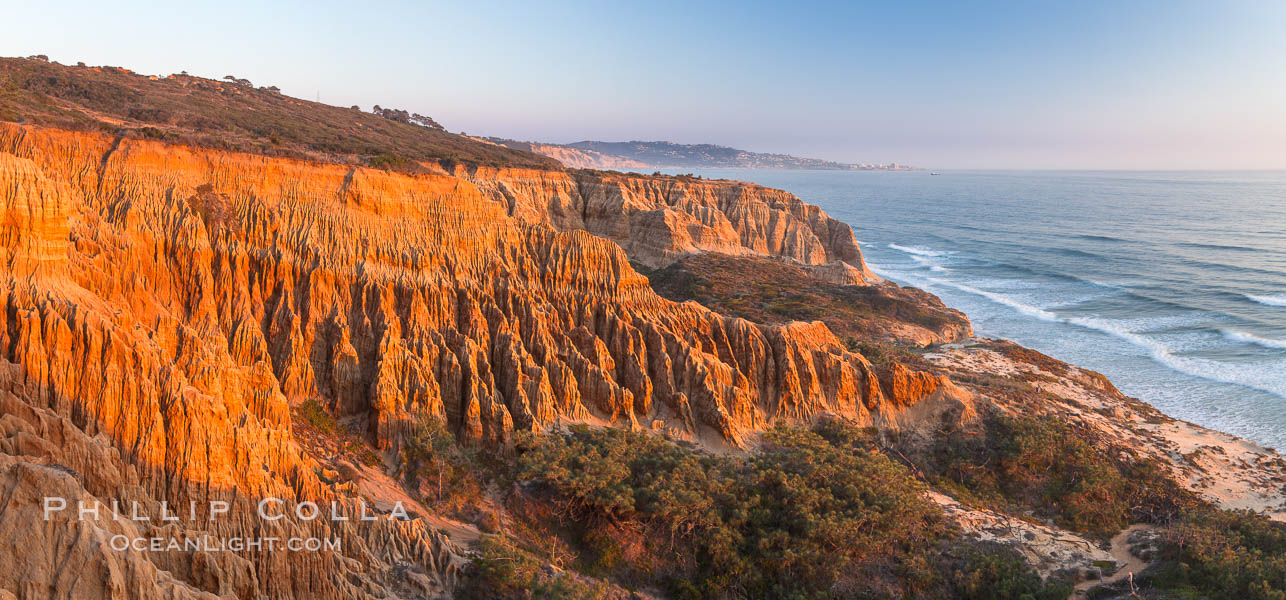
(166, 307)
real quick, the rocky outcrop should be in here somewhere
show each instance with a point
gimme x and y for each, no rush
(575, 158)
(770, 290)
(659, 219)
(164, 308)
(904, 387)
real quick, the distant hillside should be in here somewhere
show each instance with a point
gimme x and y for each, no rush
(654, 155)
(233, 114)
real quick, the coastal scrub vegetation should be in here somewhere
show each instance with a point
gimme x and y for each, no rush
(231, 115)
(446, 475)
(402, 116)
(502, 569)
(811, 514)
(1222, 554)
(1057, 471)
(820, 512)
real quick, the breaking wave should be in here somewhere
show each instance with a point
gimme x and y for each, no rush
(918, 251)
(1248, 338)
(1257, 377)
(1268, 300)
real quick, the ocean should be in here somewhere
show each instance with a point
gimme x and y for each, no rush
(1173, 284)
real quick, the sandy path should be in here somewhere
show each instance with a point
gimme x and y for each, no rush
(1120, 551)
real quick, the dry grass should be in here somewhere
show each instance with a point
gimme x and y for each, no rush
(227, 115)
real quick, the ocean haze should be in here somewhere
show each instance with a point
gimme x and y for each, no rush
(1171, 283)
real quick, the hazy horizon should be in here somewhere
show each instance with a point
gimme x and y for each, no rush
(1137, 86)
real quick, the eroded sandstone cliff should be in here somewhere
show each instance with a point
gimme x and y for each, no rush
(164, 307)
(659, 219)
(574, 158)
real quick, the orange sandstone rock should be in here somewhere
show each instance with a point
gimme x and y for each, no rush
(164, 307)
(659, 219)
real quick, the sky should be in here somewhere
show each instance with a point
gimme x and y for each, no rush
(1032, 84)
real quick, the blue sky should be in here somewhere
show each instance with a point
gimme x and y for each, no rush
(1129, 84)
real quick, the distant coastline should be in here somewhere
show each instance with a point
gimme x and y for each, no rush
(669, 155)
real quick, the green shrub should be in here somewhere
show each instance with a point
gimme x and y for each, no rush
(881, 354)
(504, 571)
(317, 417)
(432, 461)
(811, 514)
(1058, 471)
(996, 572)
(1216, 554)
(395, 163)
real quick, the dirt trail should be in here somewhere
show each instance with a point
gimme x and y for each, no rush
(1120, 551)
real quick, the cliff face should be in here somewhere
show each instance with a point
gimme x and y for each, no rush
(126, 376)
(658, 219)
(164, 307)
(574, 158)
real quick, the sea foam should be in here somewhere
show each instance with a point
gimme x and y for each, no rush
(1249, 338)
(1022, 307)
(1256, 377)
(1279, 300)
(1259, 377)
(918, 251)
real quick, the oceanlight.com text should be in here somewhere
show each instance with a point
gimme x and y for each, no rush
(122, 543)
